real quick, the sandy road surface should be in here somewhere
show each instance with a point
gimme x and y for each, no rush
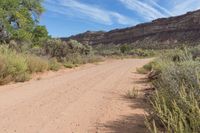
(89, 99)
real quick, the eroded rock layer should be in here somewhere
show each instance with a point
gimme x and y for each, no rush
(164, 32)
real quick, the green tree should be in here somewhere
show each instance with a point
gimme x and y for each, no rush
(40, 34)
(3, 34)
(19, 17)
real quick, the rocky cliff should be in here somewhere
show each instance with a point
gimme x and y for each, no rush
(164, 32)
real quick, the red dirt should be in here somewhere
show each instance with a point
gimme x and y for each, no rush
(86, 99)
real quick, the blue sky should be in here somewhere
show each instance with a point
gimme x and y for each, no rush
(69, 17)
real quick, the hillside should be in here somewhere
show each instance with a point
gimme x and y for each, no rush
(164, 32)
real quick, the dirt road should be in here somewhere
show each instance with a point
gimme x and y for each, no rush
(87, 99)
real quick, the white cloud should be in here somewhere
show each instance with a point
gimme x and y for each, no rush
(146, 10)
(122, 19)
(164, 10)
(181, 7)
(89, 12)
(150, 9)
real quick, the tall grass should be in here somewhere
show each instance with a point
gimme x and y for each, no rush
(175, 105)
(13, 66)
(37, 64)
(18, 67)
(54, 64)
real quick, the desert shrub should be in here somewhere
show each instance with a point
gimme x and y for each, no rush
(13, 66)
(56, 48)
(75, 58)
(146, 68)
(125, 49)
(69, 65)
(177, 55)
(142, 53)
(175, 103)
(36, 50)
(20, 46)
(36, 64)
(195, 52)
(174, 75)
(70, 51)
(61, 49)
(54, 64)
(169, 58)
(107, 50)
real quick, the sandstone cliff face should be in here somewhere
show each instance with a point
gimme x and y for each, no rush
(164, 32)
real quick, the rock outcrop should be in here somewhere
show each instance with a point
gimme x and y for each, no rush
(160, 33)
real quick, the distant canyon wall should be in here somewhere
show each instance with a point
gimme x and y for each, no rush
(164, 33)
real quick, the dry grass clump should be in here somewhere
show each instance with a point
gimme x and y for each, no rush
(18, 67)
(54, 65)
(133, 93)
(13, 66)
(36, 64)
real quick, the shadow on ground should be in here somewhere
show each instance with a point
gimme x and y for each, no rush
(121, 126)
(128, 124)
(133, 123)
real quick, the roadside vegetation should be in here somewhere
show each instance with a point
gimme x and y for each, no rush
(18, 65)
(175, 103)
(26, 47)
(133, 93)
(123, 51)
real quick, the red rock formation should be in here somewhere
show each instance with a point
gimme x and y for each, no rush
(164, 32)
